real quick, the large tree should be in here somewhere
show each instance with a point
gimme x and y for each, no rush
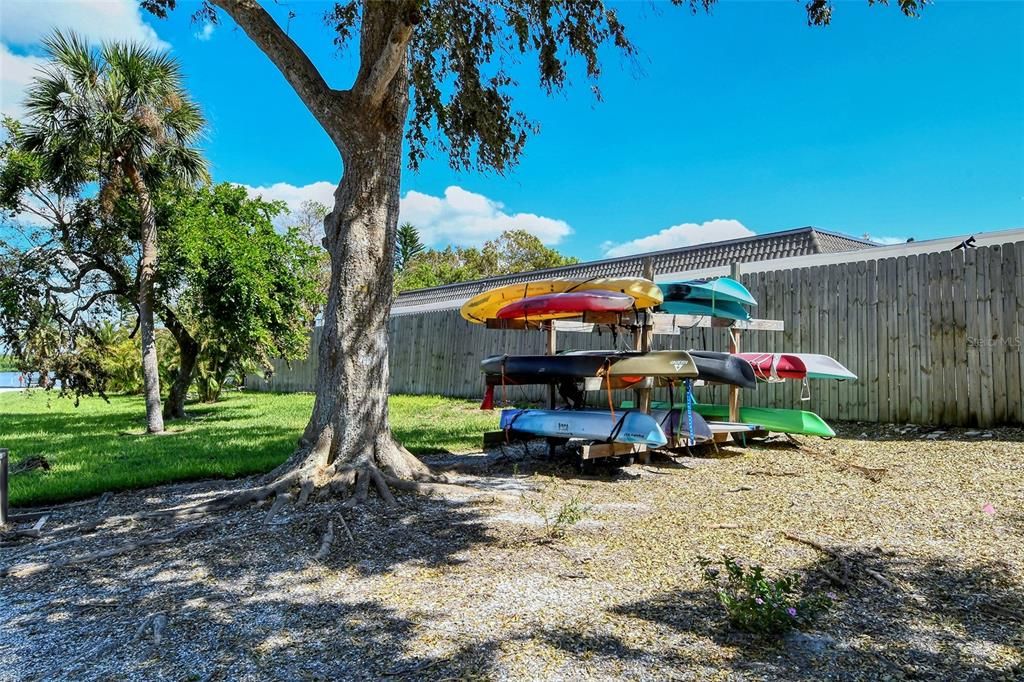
(122, 115)
(435, 70)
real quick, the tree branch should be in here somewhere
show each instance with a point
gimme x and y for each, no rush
(374, 86)
(178, 330)
(289, 58)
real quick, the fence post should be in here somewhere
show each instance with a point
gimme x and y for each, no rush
(3, 487)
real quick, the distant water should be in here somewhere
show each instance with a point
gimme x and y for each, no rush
(9, 381)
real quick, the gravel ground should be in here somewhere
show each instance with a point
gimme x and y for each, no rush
(927, 526)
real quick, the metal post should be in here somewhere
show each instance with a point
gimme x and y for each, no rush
(3, 487)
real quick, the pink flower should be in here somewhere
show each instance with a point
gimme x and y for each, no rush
(758, 600)
(831, 595)
(791, 611)
(989, 509)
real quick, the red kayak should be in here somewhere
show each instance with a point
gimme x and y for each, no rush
(769, 366)
(567, 304)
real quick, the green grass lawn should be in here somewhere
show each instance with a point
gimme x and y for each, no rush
(93, 448)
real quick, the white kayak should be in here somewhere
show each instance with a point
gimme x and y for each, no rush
(824, 367)
(626, 426)
(732, 427)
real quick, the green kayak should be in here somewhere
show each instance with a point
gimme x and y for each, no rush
(772, 419)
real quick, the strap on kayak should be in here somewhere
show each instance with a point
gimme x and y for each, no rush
(618, 426)
(606, 368)
(508, 427)
(582, 282)
(504, 395)
(805, 390)
(690, 439)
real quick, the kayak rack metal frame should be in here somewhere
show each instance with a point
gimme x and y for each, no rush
(644, 326)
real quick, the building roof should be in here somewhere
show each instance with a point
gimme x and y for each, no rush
(802, 241)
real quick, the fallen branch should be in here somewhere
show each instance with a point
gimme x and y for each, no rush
(843, 560)
(30, 463)
(739, 489)
(344, 525)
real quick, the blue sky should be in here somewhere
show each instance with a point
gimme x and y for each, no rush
(744, 120)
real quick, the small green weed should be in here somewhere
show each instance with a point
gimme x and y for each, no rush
(558, 521)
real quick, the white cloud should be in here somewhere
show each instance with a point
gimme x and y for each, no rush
(23, 23)
(293, 195)
(459, 217)
(15, 73)
(26, 21)
(469, 219)
(886, 241)
(684, 234)
(205, 33)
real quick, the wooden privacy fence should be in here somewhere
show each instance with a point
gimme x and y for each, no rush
(935, 339)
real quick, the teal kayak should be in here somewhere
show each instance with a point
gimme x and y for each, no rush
(717, 290)
(727, 309)
(772, 419)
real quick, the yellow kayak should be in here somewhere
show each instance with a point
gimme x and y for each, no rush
(485, 306)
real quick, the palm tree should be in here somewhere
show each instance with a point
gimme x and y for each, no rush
(407, 245)
(121, 116)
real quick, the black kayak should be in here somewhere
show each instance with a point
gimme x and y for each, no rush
(724, 368)
(524, 369)
(673, 364)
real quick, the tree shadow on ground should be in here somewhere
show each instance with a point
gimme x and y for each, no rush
(936, 619)
(235, 608)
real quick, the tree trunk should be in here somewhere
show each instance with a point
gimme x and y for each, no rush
(188, 353)
(349, 425)
(147, 326)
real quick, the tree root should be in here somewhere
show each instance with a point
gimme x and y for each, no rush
(344, 480)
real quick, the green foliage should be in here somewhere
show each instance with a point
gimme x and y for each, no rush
(407, 245)
(120, 355)
(558, 521)
(513, 251)
(246, 292)
(8, 363)
(117, 118)
(758, 604)
(245, 433)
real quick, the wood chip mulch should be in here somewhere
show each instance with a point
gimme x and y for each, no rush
(919, 533)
